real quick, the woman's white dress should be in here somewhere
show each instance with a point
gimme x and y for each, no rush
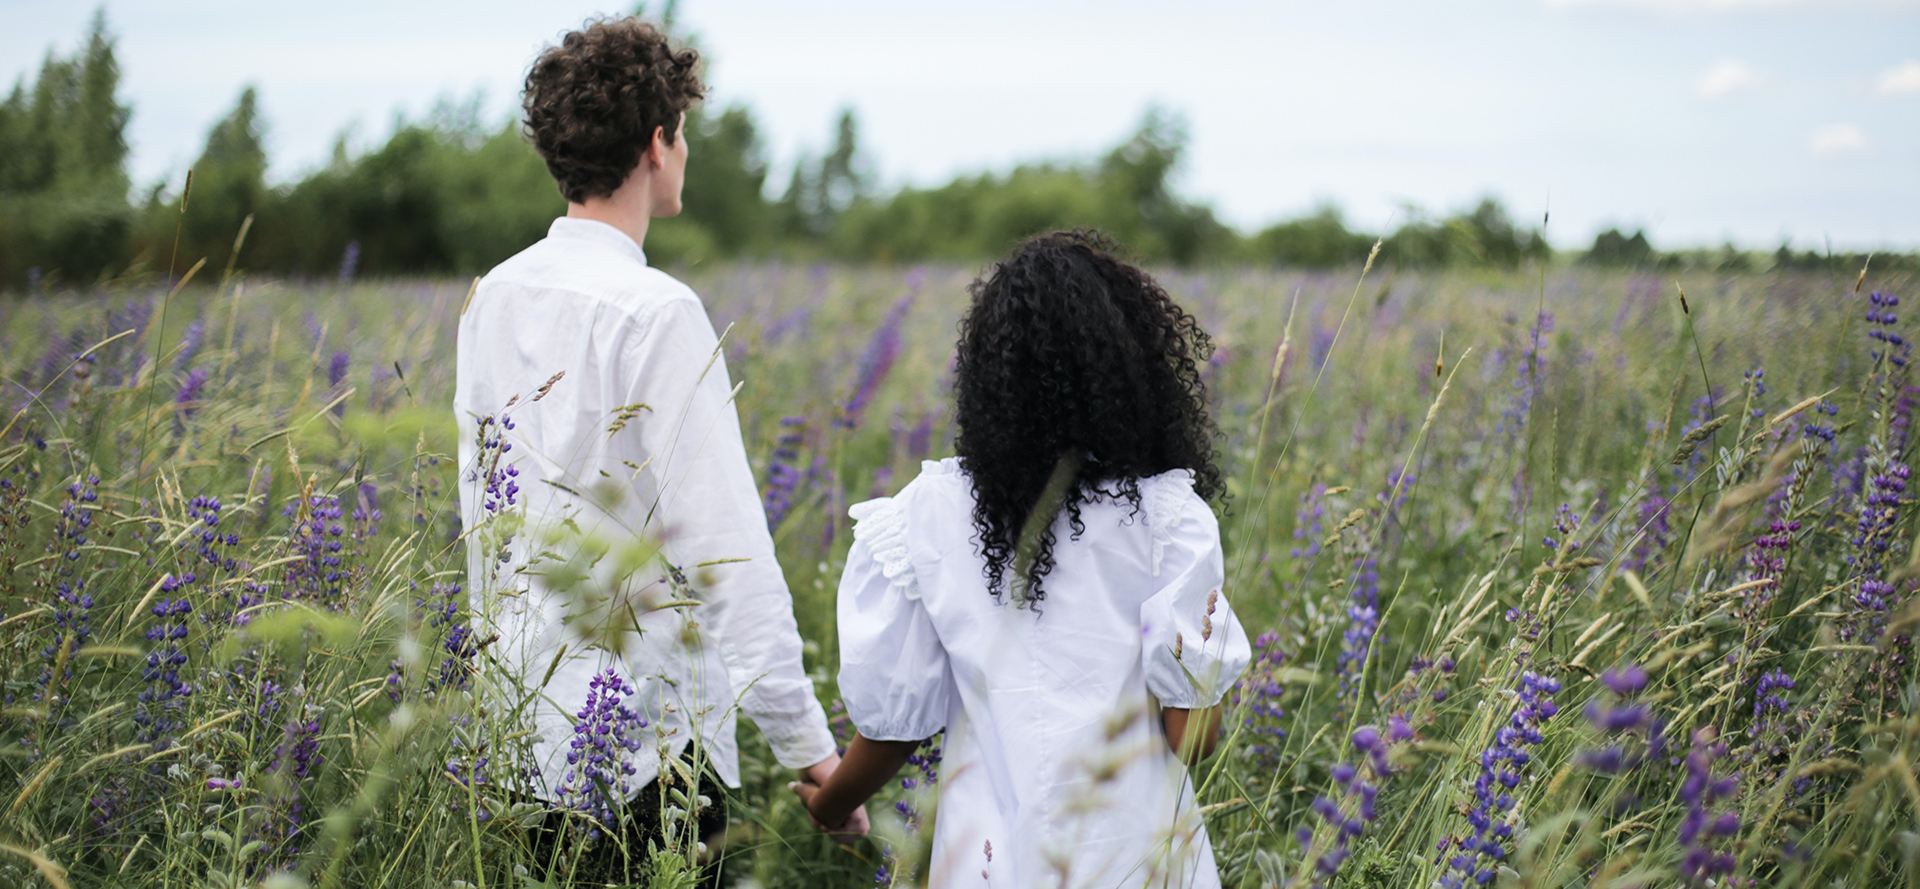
(1056, 771)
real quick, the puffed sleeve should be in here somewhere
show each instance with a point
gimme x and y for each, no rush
(893, 669)
(1193, 647)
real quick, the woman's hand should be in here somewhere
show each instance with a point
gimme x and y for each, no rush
(837, 803)
(811, 780)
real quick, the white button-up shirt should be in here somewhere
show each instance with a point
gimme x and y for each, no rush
(637, 440)
(1054, 759)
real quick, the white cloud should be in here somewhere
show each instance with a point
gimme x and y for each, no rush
(1900, 80)
(1691, 7)
(1727, 77)
(1837, 139)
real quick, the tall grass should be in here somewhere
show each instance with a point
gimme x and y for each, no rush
(1560, 579)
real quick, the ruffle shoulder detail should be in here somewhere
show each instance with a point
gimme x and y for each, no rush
(1161, 499)
(881, 524)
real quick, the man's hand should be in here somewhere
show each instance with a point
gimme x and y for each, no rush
(812, 778)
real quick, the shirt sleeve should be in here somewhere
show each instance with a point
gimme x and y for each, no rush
(706, 506)
(894, 676)
(1193, 647)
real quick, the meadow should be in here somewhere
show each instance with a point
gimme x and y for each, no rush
(1561, 577)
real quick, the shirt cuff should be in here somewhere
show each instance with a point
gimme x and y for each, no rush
(797, 746)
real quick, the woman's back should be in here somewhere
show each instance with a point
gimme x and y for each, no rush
(1054, 754)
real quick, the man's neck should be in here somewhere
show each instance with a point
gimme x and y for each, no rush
(628, 209)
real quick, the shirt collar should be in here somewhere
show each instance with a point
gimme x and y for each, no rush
(570, 228)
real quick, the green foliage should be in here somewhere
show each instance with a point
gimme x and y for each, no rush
(63, 185)
(1319, 240)
(1610, 409)
(1127, 194)
(1483, 236)
(1615, 250)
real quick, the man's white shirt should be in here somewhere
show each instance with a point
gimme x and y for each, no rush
(627, 340)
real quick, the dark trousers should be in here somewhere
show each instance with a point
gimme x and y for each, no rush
(618, 856)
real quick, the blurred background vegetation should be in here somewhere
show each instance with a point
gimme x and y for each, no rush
(454, 193)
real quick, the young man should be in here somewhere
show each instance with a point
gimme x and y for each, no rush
(591, 395)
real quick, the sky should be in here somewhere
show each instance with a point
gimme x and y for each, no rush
(1701, 121)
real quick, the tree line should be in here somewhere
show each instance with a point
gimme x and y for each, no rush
(448, 193)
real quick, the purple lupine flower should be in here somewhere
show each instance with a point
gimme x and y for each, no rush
(187, 400)
(1320, 347)
(1757, 387)
(502, 485)
(1307, 524)
(349, 262)
(875, 362)
(1876, 535)
(926, 761)
(1700, 863)
(443, 611)
(468, 763)
(72, 603)
(1529, 367)
(209, 545)
(166, 692)
(336, 374)
(1259, 692)
(1363, 623)
(1882, 318)
(1502, 768)
(283, 820)
(1347, 818)
(190, 343)
(919, 438)
(1767, 561)
(317, 535)
(1631, 732)
(1814, 427)
(1767, 700)
(1656, 527)
(599, 758)
(266, 696)
(1565, 522)
(783, 471)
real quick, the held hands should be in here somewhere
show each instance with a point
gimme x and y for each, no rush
(808, 788)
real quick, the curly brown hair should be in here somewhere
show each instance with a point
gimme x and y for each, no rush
(1068, 351)
(593, 102)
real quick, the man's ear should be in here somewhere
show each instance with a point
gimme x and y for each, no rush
(656, 153)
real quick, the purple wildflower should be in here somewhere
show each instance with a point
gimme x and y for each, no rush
(317, 538)
(1700, 862)
(72, 603)
(190, 343)
(1259, 692)
(1502, 767)
(875, 362)
(1656, 528)
(502, 485)
(187, 400)
(166, 693)
(783, 471)
(1631, 732)
(599, 758)
(1307, 524)
(1347, 818)
(349, 262)
(442, 609)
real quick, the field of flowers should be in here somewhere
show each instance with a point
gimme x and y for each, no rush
(1562, 578)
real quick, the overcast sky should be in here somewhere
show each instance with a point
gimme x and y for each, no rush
(1701, 120)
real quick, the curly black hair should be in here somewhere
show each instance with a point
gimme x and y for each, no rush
(1072, 359)
(593, 102)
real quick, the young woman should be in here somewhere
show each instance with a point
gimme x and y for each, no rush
(1050, 597)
